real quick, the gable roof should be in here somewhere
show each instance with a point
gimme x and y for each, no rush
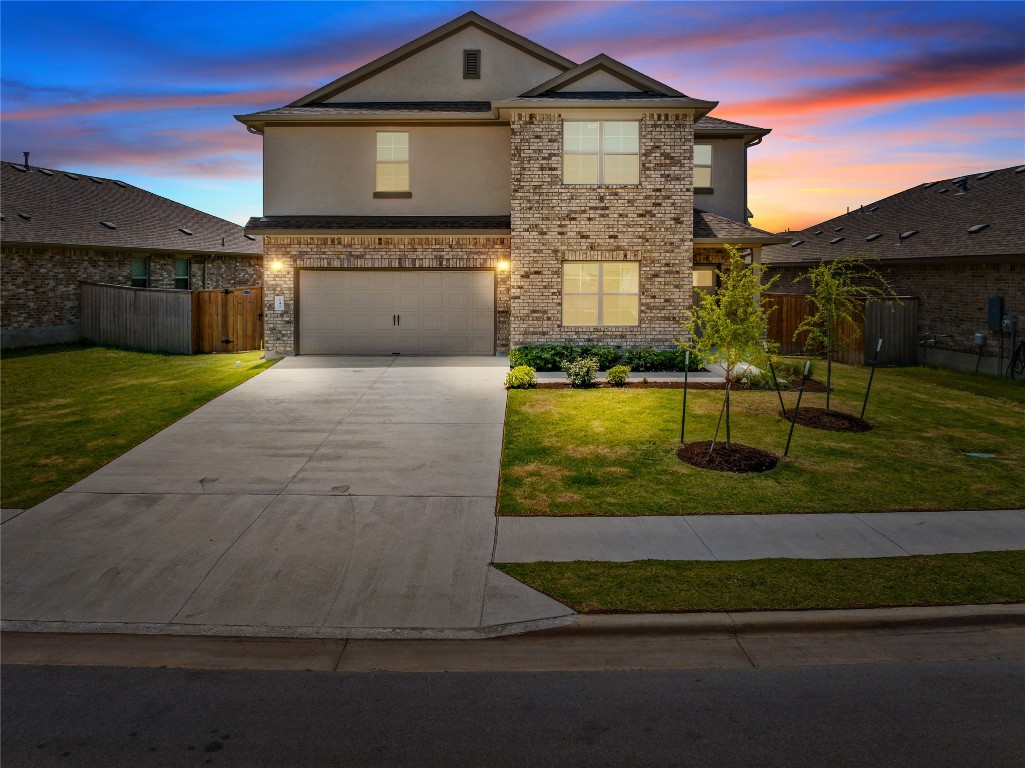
(935, 217)
(56, 207)
(424, 41)
(603, 63)
(711, 228)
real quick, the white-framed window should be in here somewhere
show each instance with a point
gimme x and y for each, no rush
(702, 165)
(140, 271)
(182, 278)
(600, 293)
(392, 161)
(601, 152)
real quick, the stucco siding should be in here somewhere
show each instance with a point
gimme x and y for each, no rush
(330, 170)
(729, 170)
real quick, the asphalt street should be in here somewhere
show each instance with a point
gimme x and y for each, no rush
(911, 714)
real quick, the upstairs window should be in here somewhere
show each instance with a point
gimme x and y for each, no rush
(601, 152)
(181, 274)
(140, 272)
(703, 165)
(471, 65)
(393, 161)
(600, 293)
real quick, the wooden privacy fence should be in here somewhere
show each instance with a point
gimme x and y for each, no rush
(895, 321)
(179, 322)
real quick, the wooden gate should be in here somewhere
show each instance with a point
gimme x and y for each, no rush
(227, 320)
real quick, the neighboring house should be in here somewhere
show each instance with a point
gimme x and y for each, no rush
(953, 244)
(474, 191)
(60, 228)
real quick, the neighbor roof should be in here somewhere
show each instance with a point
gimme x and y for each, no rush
(55, 207)
(934, 218)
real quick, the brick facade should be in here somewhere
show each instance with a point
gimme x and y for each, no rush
(952, 297)
(651, 223)
(40, 286)
(374, 252)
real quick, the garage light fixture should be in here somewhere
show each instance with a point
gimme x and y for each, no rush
(502, 266)
(277, 266)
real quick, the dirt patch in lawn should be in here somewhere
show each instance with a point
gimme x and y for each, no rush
(831, 421)
(736, 458)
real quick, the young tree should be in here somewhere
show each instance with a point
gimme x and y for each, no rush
(839, 291)
(728, 328)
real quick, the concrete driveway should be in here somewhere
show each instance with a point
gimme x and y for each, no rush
(327, 497)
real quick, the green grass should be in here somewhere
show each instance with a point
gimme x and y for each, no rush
(67, 411)
(658, 586)
(613, 452)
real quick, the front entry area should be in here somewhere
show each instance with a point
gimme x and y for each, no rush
(387, 312)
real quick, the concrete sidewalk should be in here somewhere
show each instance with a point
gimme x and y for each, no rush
(751, 537)
(327, 497)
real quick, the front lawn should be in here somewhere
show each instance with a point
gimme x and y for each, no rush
(67, 411)
(613, 452)
(660, 586)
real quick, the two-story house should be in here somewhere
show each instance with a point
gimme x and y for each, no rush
(474, 191)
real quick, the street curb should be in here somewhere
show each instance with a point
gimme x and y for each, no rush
(755, 622)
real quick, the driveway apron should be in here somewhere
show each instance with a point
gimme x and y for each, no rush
(327, 497)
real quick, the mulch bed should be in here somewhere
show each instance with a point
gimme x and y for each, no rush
(810, 385)
(736, 458)
(832, 421)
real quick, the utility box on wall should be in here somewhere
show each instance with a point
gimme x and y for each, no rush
(994, 312)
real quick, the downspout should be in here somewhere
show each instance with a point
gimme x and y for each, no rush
(747, 203)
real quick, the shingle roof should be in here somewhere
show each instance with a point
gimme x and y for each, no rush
(378, 222)
(713, 226)
(717, 124)
(58, 207)
(379, 107)
(939, 214)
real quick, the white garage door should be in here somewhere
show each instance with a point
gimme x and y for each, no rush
(385, 312)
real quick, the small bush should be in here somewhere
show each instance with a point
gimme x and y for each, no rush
(617, 375)
(788, 374)
(753, 379)
(521, 377)
(581, 372)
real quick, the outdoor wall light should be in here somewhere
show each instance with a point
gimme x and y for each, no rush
(277, 266)
(502, 266)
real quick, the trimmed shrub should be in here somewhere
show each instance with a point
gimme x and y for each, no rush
(552, 357)
(653, 360)
(617, 375)
(521, 377)
(581, 372)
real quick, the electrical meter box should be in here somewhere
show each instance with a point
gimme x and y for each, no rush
(994, 312)
(1010, 324)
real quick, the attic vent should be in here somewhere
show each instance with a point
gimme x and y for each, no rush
(985, 175)
(977, 228)
(25, 216)
(928, 184)
(873, 209)
(836, 240)
(71, 176)
(249, 237)
(471, 65)
(95, 180)
(909, 233)
(870, 238)
(818, 232)
(944, 191)
(1020, 170)
(838, 229)
(108, 225)
(185, 231)
(120, 184)
(959, 179)
(796, 243)
(45, 172)
(21, 168)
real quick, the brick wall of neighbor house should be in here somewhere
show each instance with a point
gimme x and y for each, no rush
(40, 285)
(374, 252)
(651, 223)
(952, 298)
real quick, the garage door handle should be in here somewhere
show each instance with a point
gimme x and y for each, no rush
(393, 320)
(400, 319)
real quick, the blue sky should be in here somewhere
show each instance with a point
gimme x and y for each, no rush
(864, 99)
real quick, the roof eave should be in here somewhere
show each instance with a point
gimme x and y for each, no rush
(742, 241)
(259, 122)
(380, 232)
(132, 248)
(700, 106)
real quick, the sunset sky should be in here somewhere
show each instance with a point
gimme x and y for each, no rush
(864, 99)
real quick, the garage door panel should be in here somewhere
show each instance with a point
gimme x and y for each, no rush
(436, 312)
